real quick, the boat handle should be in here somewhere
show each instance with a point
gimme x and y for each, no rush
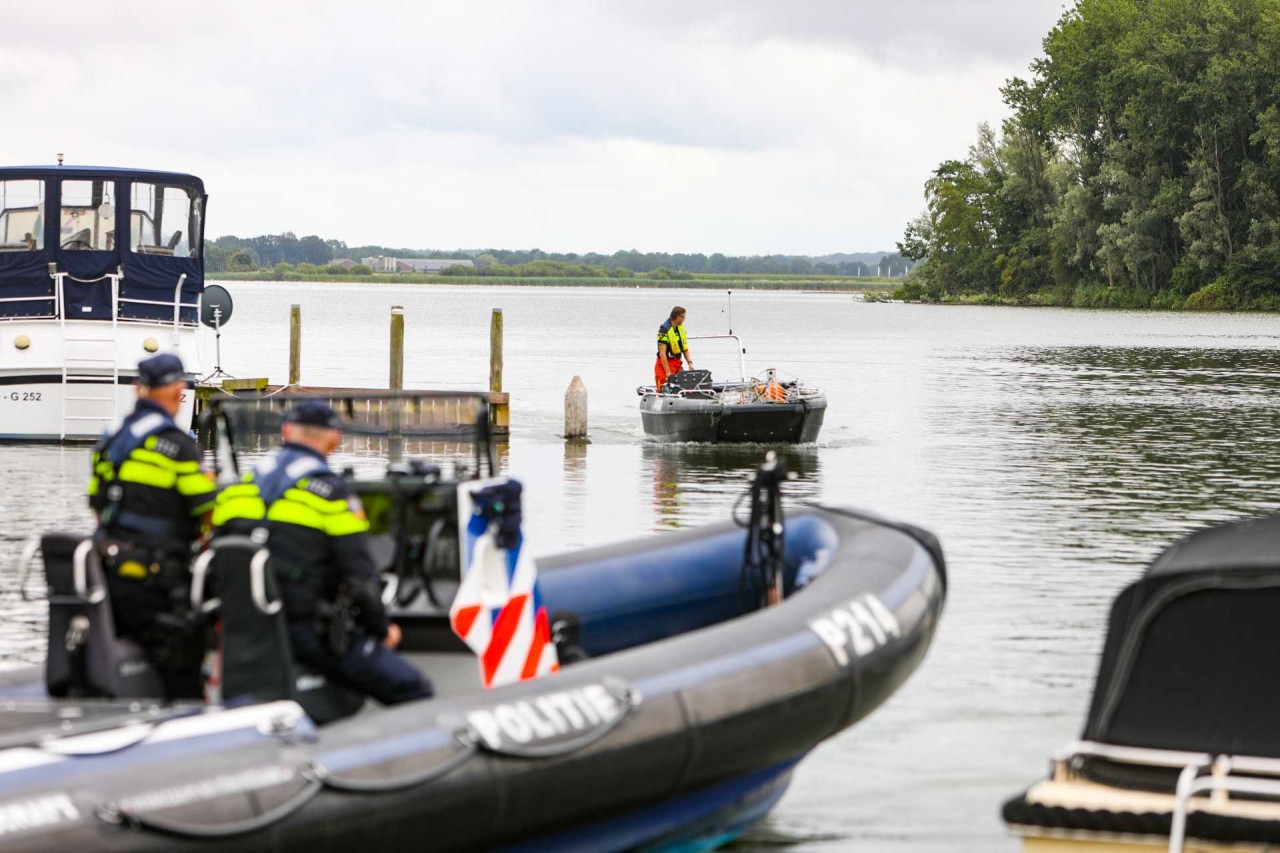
(80, 572)
(379, 786)
(258, 584)
(23, 570)
(199, 573)
(392, 587)
(124, 816)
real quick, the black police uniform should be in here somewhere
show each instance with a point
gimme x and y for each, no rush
(329, 583)
(149, 493)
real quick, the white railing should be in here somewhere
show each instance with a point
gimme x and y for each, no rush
(1219, 783)
(742, 360)
(117, 301)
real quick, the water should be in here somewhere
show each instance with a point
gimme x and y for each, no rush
(1053, 451)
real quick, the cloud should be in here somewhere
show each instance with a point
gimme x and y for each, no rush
(713, 126)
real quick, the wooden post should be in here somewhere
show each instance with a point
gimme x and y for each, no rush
(295, 345)
(495, 351)
(397, 348)
(575, 409)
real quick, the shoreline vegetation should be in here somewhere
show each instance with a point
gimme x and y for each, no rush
(1139, 168)
(876, 287)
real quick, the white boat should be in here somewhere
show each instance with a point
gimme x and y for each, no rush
(99, 268)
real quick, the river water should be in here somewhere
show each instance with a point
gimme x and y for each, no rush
(1053, 451)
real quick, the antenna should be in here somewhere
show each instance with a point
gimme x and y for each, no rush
(730, 312)
(59, 158)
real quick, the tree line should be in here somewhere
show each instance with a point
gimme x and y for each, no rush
(1140, 167)
(244, 254)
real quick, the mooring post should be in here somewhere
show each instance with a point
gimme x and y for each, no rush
(575, 409)
(495, 350)
(295, 345)
(397, 347)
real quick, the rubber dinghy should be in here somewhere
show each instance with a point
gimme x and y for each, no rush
(684, 701)
(1180, 750)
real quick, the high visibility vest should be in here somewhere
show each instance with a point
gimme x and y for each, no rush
(140, 456)
(283, 488)
(675, 339)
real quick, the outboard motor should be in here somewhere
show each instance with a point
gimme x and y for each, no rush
(85, 657)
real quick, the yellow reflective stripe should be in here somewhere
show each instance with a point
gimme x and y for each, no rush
(133, 471)
(345, 524)
(93, 486)
(293, 512)
(195, 484)
(159, 460)
(319, 504)
(250, 507)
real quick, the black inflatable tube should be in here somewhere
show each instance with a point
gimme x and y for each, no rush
(716, 703)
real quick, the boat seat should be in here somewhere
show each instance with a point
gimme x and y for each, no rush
(257, 659)
(85, 656)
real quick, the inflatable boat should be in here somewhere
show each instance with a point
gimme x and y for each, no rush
(692, 407)
(697, 669)
(1180, 750)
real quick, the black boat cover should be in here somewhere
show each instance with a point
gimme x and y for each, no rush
(1189, 651)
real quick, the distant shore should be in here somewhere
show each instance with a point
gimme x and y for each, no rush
(704, 282)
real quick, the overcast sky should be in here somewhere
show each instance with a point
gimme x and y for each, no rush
(739, 126)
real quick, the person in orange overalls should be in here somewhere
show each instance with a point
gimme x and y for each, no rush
(673, 346)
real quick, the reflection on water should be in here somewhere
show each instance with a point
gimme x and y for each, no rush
(1054, 452)
(683, 474)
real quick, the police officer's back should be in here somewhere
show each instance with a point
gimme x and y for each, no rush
(151, 496)
(318, 538)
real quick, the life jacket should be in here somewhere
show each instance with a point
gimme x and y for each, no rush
(278, 490)
(675, 339)
(136, 470)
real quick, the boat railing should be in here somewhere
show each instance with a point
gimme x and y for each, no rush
(1200, 773)
(58, 305)
(742, 361)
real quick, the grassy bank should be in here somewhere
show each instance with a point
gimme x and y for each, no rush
(1215, 297)
(702, 282)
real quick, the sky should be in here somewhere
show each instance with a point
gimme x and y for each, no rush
(739, 126)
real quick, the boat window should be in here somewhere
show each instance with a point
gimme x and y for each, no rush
(21, 216)
(88, 216)
(165, 220)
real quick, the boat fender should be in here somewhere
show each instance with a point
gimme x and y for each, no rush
(554, 723)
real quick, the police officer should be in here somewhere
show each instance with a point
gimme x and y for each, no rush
(673, 345)
(320, 554)
(152, 500)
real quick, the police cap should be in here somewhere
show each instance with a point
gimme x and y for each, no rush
(314, 413)
(163, 369)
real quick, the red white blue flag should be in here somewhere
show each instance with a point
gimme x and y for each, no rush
(498, 611)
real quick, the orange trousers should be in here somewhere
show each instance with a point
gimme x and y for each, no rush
(660, 375)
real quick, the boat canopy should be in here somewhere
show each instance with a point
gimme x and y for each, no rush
(1190, 647)
(94, 243)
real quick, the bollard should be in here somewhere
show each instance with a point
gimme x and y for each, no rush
(295, 345)
(397, 347)
(575, 409)
(495, 351)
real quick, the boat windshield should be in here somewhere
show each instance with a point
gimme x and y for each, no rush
(165, 220)
(21, 215)
(88, 218)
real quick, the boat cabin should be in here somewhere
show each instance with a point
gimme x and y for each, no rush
(91, 243)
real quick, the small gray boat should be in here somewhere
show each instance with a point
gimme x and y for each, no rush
(694, 407)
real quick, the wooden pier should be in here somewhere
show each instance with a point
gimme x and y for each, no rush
(426, 414)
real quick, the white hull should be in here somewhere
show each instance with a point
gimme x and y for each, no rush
(74, 379)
